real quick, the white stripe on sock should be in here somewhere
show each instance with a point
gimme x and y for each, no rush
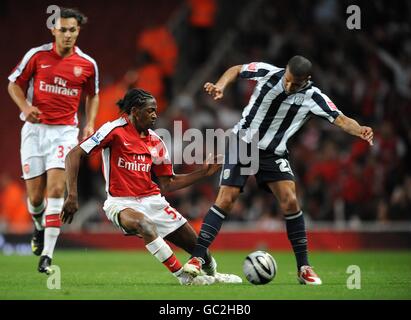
(36, 210)
(294, 216)
(206, 224)
(217, 212)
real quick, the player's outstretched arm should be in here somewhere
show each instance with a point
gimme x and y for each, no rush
(352, 127)
(179, 181)
(217, 90)
(70, 206)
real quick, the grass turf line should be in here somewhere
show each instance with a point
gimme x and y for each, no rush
(137, 275)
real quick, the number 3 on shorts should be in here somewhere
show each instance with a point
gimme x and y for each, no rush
(60, 151)
(171, 211)
(284, 166)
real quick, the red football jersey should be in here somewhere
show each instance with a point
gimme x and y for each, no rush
(54, 84)
(128, 159)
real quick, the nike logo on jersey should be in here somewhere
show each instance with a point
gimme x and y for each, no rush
(44, 66)
(127, 144)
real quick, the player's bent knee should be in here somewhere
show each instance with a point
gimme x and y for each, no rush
(146, 228)
(56, 191)
(289, 203)
(226, 199)
(36, 200)
(225, 203)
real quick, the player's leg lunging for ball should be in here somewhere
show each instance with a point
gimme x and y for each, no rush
(137, 222)
(211, 226)
(186, 238)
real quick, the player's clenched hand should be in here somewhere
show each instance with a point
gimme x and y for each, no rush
(213, 90)
(212, 164)
(31, 114)
(70, 207)
(367, 134)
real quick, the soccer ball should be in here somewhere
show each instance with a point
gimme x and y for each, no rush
(259, 267)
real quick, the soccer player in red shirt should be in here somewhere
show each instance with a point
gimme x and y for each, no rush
(131, 153)
(46, 85)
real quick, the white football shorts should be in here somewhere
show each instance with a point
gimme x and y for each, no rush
(45, 147)
(156, 208)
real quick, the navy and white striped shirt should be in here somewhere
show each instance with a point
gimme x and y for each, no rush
(276, 115)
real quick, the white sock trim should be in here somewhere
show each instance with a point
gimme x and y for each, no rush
(178, 273)
(217, 212)
(294, 216)
(160, 249)
(50, 238)
(155, 245)
(36, 210)
(54, 205)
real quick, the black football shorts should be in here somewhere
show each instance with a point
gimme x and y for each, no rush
(270, 167)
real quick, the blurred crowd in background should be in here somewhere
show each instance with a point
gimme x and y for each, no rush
(366, 72)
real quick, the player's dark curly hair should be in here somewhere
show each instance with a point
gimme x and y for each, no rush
(300, 66)
(134, 98)
(73, 13)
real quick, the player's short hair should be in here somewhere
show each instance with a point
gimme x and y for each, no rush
(299, 66)
(135, 97)
(73, 13)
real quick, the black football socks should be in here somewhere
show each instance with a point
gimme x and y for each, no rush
(297, 235)
(209, 229)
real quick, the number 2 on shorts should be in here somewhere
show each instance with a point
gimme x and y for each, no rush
(284, 166)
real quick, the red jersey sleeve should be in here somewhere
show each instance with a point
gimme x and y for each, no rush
(165, 169)
(162, 165)
(25, 70)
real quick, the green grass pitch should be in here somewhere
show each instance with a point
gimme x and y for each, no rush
(137, 275)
